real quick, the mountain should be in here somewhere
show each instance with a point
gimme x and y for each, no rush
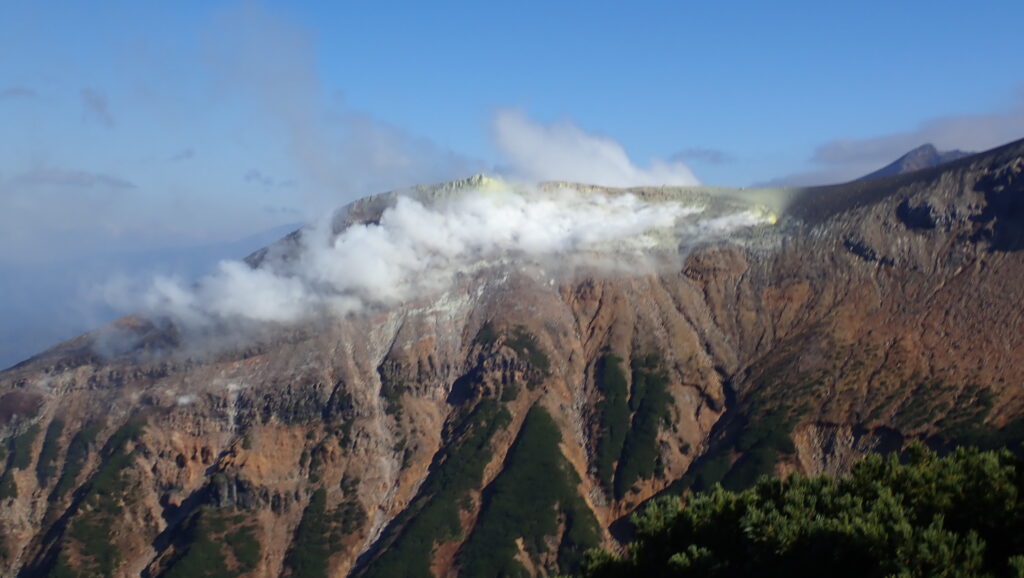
(923, 157)
(517, 418)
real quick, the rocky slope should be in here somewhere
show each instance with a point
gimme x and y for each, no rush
(513, 421)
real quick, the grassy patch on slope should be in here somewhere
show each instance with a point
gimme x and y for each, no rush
(101, 506)
(78, 453)
(45, 468)
(534, 495)
(206, 556)
(19, 457)
(640, 452)
(612, 415)
(433, 517)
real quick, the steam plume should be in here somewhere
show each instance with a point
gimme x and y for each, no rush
(416, 249)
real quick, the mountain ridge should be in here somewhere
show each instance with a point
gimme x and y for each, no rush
(922, 157)
(870, 315)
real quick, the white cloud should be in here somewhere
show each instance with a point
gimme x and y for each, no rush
(416, 250)
(565, 152)
(266, 60)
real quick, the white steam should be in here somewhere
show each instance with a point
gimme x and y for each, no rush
(417, 250)
(565, 152)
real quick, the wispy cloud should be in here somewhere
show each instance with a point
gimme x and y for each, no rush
(69, 178)
(18, 92)
(96, 107)
(339, 154)
(48, 212)
(564, 151)
(704, 155)
(183, 155)
(841, 160)
(257, 177)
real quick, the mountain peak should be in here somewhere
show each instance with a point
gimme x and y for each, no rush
(922, 157)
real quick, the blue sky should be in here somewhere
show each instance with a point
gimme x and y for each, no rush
(134, 126)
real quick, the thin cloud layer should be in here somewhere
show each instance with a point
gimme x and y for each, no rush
(704, 155)
(18, 92)
(842, 160)
(257, 177)
(339, 154)
(69, 178)
(183, 155)
(96, 107)
(565, 152)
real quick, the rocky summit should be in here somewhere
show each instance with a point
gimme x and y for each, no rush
(509, 422)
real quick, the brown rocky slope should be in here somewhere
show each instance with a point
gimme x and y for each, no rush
(513, 422)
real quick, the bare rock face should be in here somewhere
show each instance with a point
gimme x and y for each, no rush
(513, 421)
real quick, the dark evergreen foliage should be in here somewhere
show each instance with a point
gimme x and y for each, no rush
(18, 457)
(962, 515)
(78, 452)
(434, 516)
(21, 448)
(640, 452)
(313, 543)
(612, 415)
(45, 468)
(205, 557)
(535, 493)
(525, 345)
(101, 504)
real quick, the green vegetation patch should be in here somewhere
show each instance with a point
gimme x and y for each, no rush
(349, 515)
(101, 504)
(46, 467)
(612, 415)
(927, 400)
(205, 555)
(759, 441)
(757, 431)
(641, 457)
(762, 441)
(955, 516)
(78, 453)
(534, 495)
(19, 457)
(509, 392)
(433, 517)
(487, 336)
(524, 343)
(8, 488)
(391, 390)
(320, 532)
(312, 547)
